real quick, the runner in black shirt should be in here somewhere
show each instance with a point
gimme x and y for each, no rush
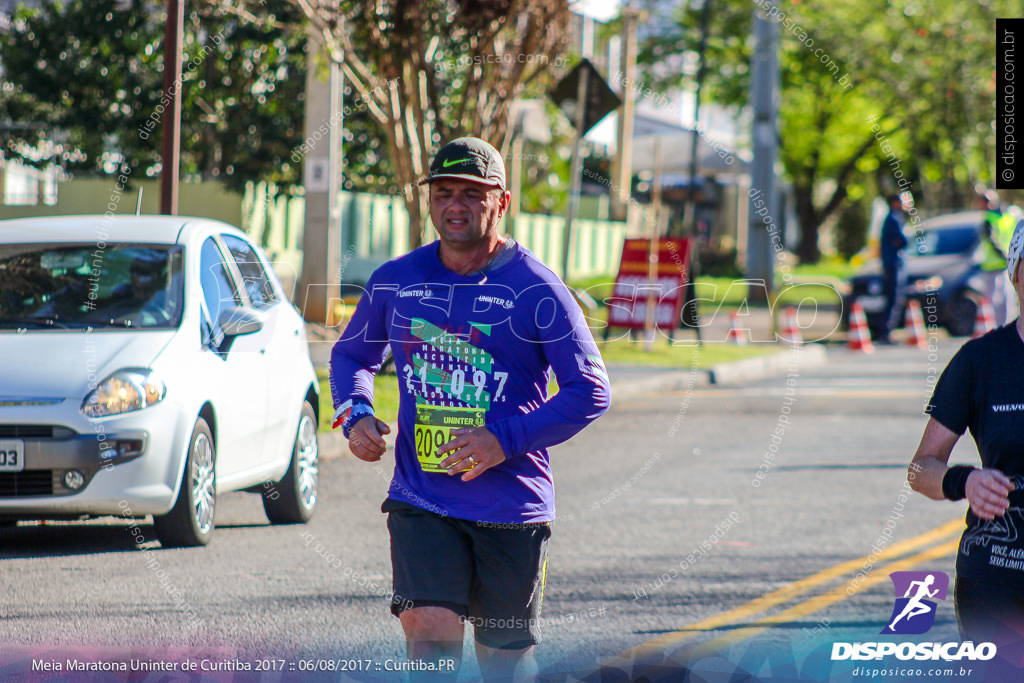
(982, 389)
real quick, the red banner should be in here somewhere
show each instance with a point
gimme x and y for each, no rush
(627, 306)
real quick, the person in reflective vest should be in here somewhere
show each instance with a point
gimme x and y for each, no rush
(996, 232)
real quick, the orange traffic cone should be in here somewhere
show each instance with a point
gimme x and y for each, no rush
(914, 322)
(985, 320)
(859, 338)
(736, 335)
(791, 329)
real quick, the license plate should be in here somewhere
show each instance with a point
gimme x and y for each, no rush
(12, 456)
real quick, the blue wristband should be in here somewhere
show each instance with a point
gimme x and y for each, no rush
(359, 411)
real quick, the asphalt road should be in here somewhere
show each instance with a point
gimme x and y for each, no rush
(670, 550)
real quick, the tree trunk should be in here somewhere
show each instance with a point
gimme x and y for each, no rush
(406, 178)
(414, 205)
(810, 222)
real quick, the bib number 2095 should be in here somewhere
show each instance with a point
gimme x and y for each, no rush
(434, 425)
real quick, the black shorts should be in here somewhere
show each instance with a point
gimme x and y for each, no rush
(492, 575)
(993, 613)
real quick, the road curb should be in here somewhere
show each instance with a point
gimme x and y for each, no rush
(723, 374)
(772, 365)
(663, 382)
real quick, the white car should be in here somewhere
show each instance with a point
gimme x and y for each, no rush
(147, 364)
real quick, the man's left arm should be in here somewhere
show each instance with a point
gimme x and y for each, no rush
(584, 394)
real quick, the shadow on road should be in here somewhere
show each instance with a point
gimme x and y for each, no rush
(67, 538)
(53, 538)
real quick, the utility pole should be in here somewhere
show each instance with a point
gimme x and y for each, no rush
(577, 169)
(321, 236)
(622, 162)
(764, 95)
(174, 31)
(515, 184)
(705, 17)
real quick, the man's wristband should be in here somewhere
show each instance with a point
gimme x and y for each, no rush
(359, 411)
(954, 481)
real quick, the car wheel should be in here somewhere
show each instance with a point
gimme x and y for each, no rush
(293, 499)
(190, 521)
(960, 316)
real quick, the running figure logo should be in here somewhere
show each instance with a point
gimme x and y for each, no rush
(914, 613)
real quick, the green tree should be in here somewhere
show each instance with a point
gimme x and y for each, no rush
(932, 105)
(77, 82)
(427, 72)
(83, 82)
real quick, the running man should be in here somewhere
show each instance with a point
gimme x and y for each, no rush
(914, 606)
(475, 323)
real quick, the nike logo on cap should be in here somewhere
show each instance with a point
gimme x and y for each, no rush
(446, 163)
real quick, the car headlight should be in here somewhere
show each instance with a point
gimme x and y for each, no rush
(931, 284)
(123, 392)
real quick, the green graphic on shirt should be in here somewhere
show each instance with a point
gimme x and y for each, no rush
(433, 376)
(453, 345)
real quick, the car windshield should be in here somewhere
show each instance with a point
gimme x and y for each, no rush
(959, 239)
(76, 286)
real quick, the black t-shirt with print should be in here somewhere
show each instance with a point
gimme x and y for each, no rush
(982, 389)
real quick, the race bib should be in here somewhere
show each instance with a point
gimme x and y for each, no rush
(434, 425)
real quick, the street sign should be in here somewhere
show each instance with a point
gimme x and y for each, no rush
(600, 98)
(583, 84)
(627, 306)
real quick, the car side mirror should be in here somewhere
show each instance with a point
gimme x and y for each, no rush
(236, 321)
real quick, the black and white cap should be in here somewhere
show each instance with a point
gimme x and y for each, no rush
(471, 159)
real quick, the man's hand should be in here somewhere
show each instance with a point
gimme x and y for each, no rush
(988, 493)
(473, 451)
(365, 439)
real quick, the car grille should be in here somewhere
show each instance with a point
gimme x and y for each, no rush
(27, 483)
(26, 431)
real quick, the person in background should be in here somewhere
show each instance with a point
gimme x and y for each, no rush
(891, 245)
(996, 231)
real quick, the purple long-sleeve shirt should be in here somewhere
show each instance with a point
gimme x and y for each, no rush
(469, 351)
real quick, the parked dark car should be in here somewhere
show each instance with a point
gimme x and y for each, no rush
(942, 263)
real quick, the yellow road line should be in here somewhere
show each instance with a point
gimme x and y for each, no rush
(822, 601)
(793, 590)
